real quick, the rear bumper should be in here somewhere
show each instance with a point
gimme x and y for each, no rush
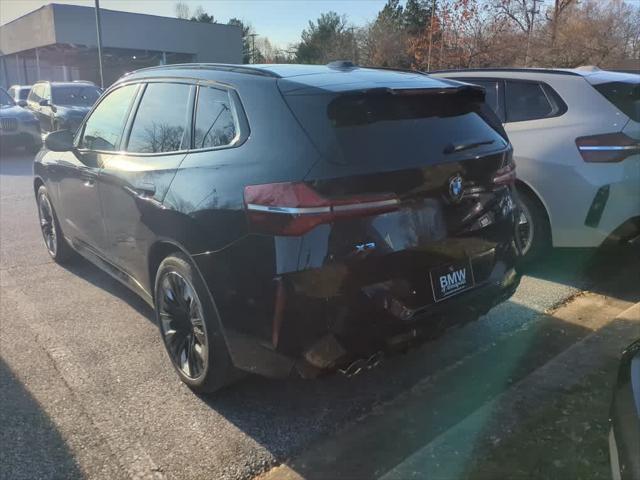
(309, 328)
(603, 197)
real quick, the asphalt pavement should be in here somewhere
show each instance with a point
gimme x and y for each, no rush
(86, 389)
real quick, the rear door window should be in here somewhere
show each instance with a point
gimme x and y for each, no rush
(624, 95)
(215, 120)
(531, 101)
(162, 119)
(492, 93)
(106, 124)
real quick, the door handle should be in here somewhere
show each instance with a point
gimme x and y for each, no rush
(89, 182)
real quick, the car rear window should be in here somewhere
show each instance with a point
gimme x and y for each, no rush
(384, 128)
(624, 95)
(75, 95)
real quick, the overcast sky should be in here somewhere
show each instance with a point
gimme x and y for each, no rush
(280, 20)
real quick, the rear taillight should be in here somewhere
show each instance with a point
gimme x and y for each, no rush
(296, 208)
(608, 147)
(505, 175)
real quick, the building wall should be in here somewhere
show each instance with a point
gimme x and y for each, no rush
(32, 30)
(208, 42)
(62, 32)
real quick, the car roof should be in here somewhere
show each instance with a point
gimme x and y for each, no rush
(20, 86)
(72, 82)
(336, 76)
(593, 75)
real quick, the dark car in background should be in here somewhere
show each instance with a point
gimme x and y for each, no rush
(624, 435)
(62, 105)
(19, 93)
(288, 218)
(18, 127)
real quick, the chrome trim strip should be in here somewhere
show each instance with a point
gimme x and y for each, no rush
(608, 148)
(316, 210)
(288, 210)
(365, 205)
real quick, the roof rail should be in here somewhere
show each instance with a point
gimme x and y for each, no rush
(509, 69)
(210, 66)
(394, 69)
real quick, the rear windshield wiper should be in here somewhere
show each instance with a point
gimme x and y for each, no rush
(451, 148)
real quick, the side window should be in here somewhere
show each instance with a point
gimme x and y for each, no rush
(215, 121)
(530, 101)
(105, 125)
(45, 92)
(160, 124)
(491, 89)
(34, 95)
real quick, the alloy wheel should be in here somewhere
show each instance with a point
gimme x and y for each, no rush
(182, 325)
(48, 224)
(525, 229)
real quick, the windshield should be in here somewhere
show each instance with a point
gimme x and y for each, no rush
(624, 95)
(75, 95)
(5, 99)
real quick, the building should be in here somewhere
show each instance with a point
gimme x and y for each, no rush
(59, 42)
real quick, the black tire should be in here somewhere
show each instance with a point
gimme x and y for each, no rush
(54, 240)
(199, 355)
(533, 228)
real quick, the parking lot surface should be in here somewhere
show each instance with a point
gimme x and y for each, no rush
(87, 391)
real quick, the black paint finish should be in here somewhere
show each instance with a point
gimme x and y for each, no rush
(363, 281)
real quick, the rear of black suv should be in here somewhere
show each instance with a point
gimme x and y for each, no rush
(401, 227)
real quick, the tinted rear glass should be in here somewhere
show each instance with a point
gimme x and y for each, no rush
(624, 95)
(384, 129)
(75, 95)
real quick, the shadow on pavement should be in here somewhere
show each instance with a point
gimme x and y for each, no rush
(30, 445)
(286, 416)
(590, 268)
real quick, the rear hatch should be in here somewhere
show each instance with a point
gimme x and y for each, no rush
(413, 179)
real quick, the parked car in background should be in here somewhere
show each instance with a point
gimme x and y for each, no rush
(18, 127)
(576, 137)
(624, 418)
(62, 105)
(288, 218)
(19, 93)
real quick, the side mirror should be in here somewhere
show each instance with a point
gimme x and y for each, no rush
(59, 141)
(22, 103)
(44, 103)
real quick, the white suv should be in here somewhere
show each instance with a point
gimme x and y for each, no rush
(576, 139)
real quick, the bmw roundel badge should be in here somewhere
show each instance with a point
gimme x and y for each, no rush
(455, 188)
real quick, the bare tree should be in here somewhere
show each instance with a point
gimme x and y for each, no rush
(182, 10)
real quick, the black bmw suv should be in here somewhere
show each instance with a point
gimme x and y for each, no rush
(62, 105)
(287, 219)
